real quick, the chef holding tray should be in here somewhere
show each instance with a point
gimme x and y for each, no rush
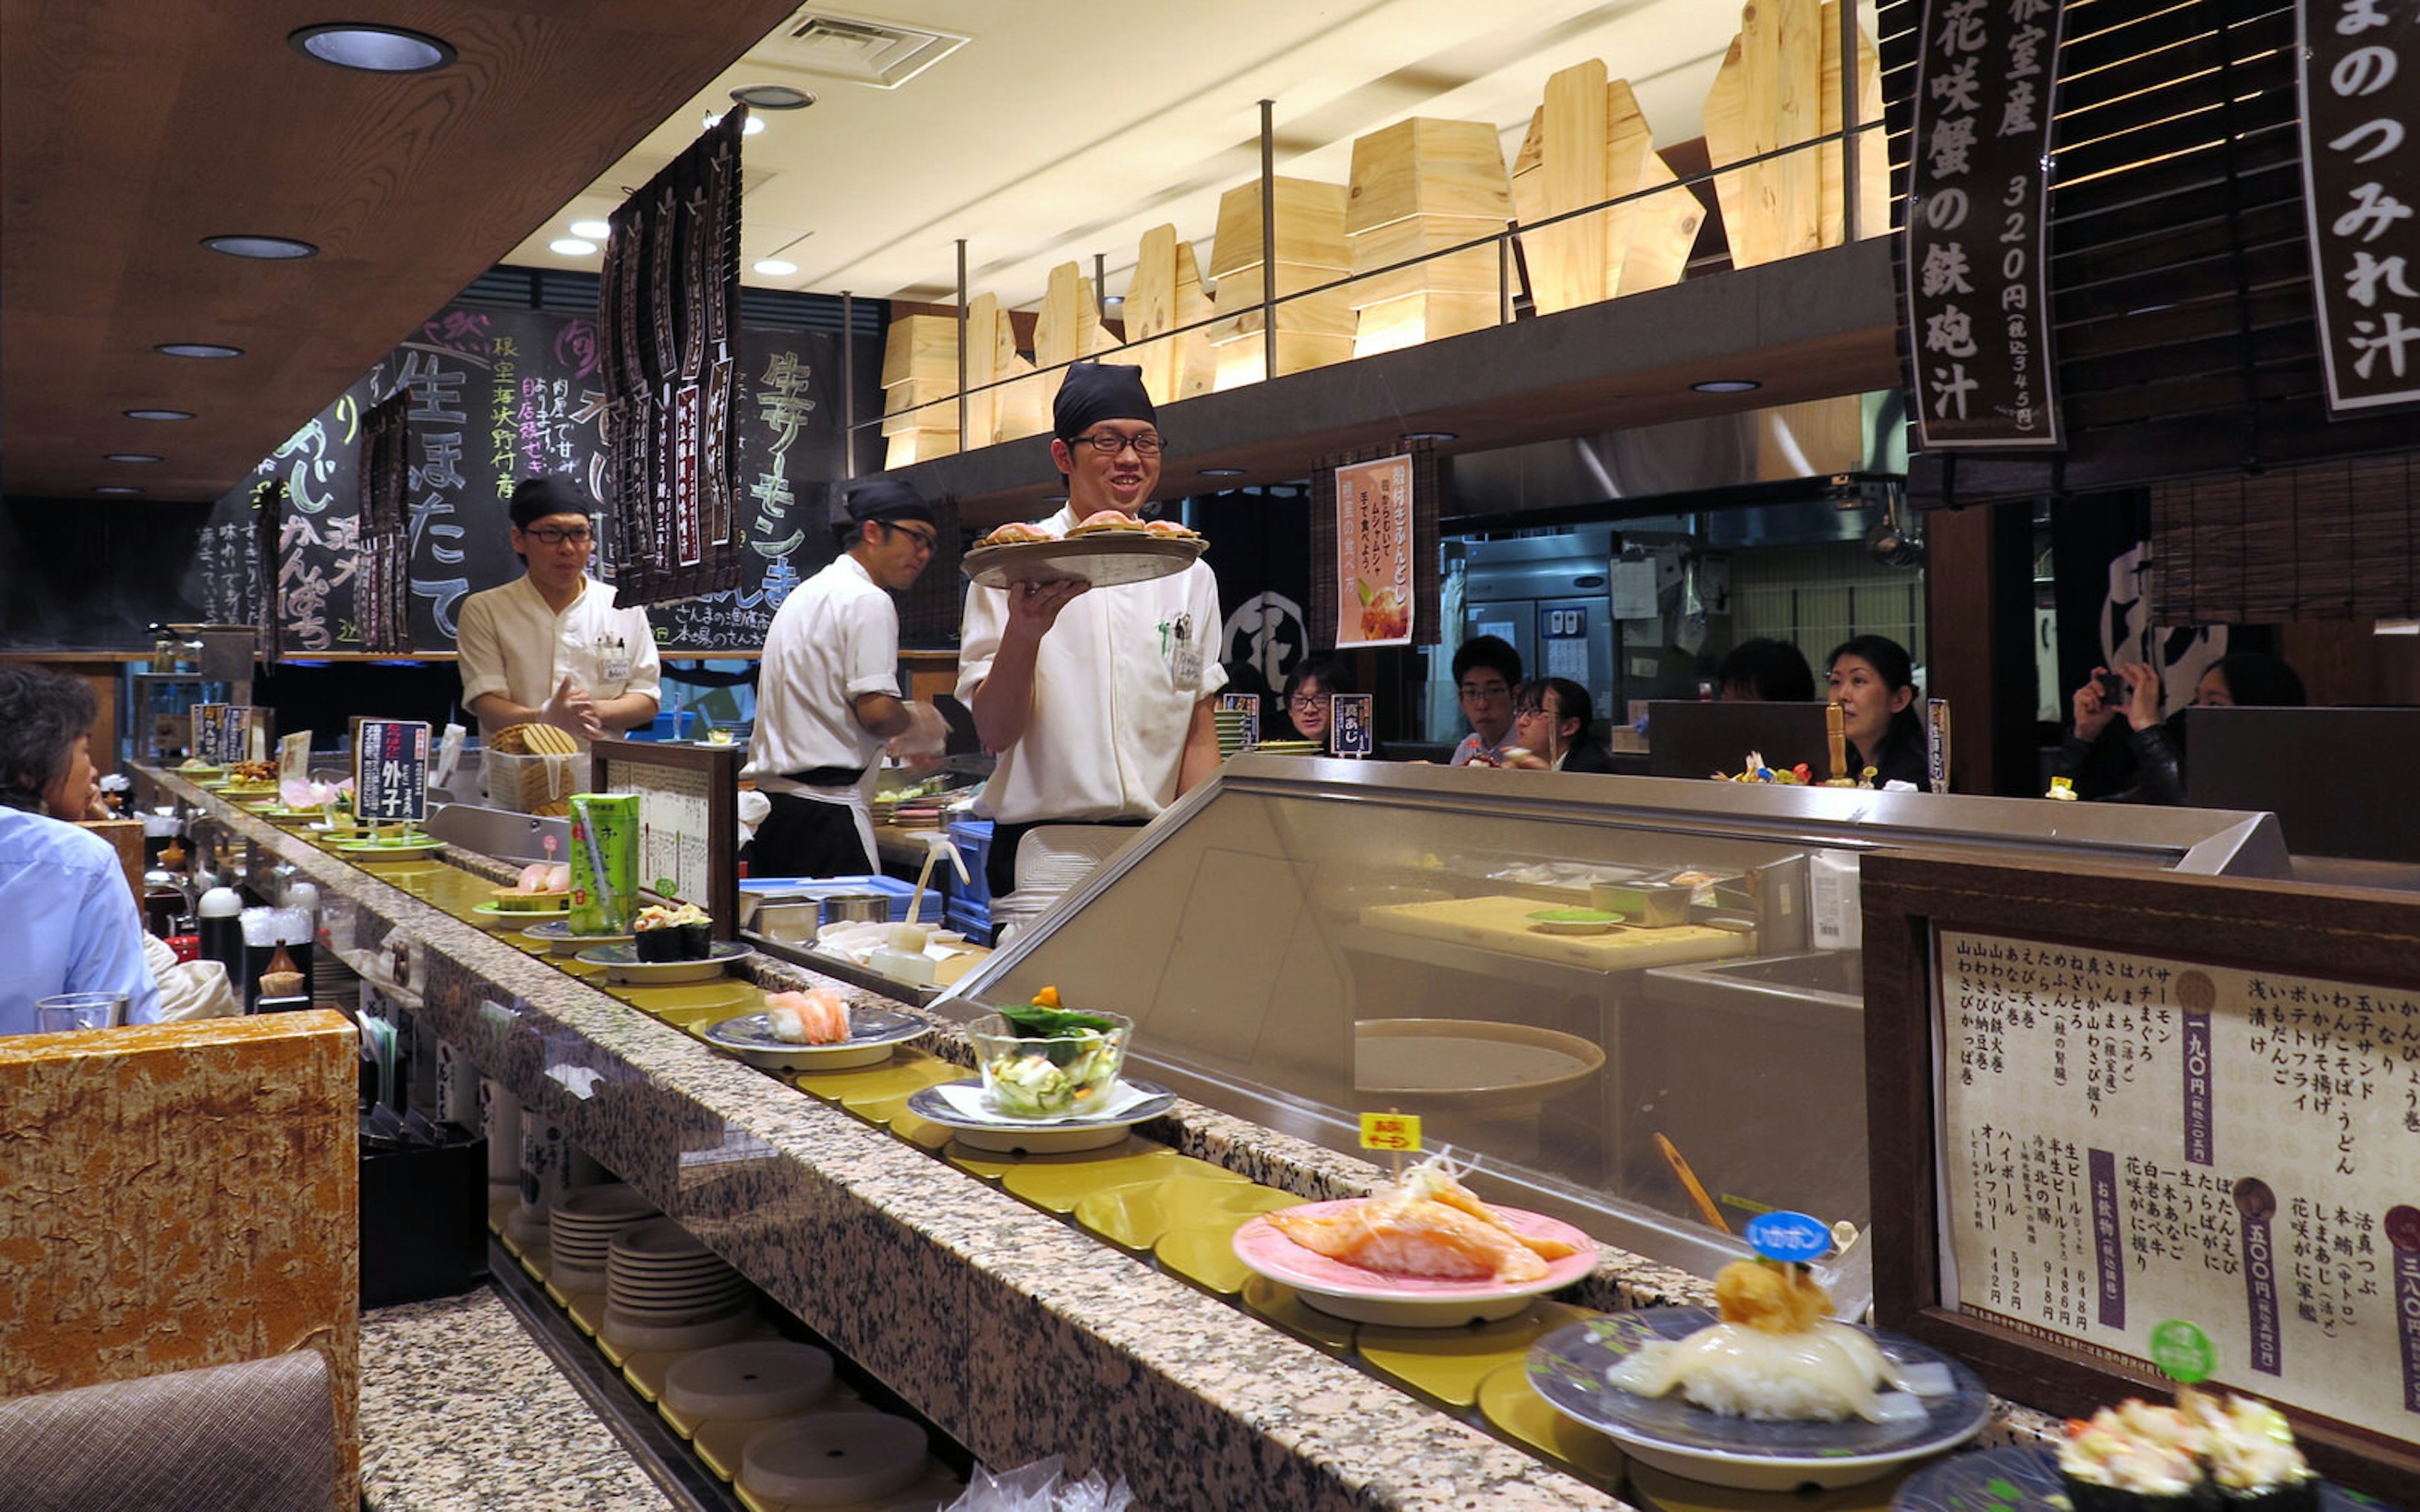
(1098, 702)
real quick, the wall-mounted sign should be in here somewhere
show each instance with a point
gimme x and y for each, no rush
(1374, 553)
(1978, 318)
(2360, 84)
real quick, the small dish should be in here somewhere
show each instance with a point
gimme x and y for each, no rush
(622, 964)
(555, 934)
(495, 916)
(979, 1129)
(2023, 1477)
(409, 848)
(1573, 921)
(871, 1033)
(1344, 1290)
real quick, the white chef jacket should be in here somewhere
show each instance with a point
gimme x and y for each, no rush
(1114, 685)
(834, 640)
(512, 644)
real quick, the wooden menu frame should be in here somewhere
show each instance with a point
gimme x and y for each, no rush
(2265, 926)
(613, 760)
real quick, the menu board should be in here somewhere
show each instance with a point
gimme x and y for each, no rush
(2129, 1140)
(1349, 724)
(390, 771)
(689, 826)
(2359, 74)
(1373, 552)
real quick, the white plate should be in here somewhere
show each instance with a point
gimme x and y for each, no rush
(1049, 1137)
(1345, 1290)
(871, 1032)
(373, 850)
(555, 934)
(1104, 560)
(622, 964)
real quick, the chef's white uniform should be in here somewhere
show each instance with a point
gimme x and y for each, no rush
(834, 640)
(512, 644)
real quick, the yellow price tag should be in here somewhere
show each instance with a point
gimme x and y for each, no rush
(1398, 1131)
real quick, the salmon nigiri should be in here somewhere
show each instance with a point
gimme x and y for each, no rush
(1400, 1236)
(817, 1017)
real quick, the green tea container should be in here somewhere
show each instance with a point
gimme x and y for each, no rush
(604, 862)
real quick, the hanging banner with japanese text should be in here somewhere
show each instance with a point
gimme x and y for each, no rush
(1978, 318)
(2360, 182)
(1374, 553)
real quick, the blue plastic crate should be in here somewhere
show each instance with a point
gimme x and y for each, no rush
(972, 838)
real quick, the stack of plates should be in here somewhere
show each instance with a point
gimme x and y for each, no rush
(585, 1225)
(1231, 730)
(665, 1290)
(1291, 748)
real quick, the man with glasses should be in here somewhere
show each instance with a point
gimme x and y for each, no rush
(1485, 670)
(827, 692)
(550, 647)
(1097, 703)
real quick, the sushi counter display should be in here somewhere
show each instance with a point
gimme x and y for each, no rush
(1144, 1281)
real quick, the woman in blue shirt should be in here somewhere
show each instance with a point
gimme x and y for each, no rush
(67, 920)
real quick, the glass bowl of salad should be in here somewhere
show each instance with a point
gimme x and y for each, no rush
(1040, 1060)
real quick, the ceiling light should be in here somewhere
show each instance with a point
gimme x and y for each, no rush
(1726, 385)
(756, 124)
(776, 267)
(159, 414)
(593, 230)
(571, 246)
(772, 97)
(1431, 435)
(1223, 472)
(197, 348)
(273, 249)
(371, 48)
(115, 487)
(130, 456)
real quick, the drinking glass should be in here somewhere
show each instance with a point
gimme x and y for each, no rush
(68, 1011)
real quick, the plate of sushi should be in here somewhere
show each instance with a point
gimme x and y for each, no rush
(2207, 1454)
(819, 1030)
(645, 964)
(1105, 549)
(556, 934)
(1423, 1252)
(1768, 1391)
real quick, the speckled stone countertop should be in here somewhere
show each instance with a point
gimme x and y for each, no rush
(1018, 1336)
(461, 1412)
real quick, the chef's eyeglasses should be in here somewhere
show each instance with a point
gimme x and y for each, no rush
(1110, 443)
(928, 539)
(549, 535)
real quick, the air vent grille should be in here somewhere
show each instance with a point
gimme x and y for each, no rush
(884, 54)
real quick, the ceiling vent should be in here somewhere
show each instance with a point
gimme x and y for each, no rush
(883, 53)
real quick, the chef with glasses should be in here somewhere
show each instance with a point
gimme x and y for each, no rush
(1098, 702)
(827, 698)
(550, 647)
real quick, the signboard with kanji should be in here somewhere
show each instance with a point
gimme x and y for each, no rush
(2360, 85)
(390, 771)
(1349, 717)
(1374, 553)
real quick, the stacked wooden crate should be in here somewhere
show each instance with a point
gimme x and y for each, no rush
(1588, 143)
(1016, 407)
(1314, 330)
(1068, 328)
(1419, 186)
(1166, 295)
(919, 371)
(1779, 85)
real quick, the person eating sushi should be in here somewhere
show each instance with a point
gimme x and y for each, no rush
(1096, 701)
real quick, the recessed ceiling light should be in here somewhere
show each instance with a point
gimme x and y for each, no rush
(1726, 385)
(571, 246)
(756, 125)
(273, 249)
(197, 348)
(130, 456)
(772, 97)
(115, 487)
(371, 48)
(159, 414)
(776, 267)
(1432, 435)
(1223, 472)
(593, 230)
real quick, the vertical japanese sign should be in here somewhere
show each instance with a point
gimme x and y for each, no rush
(204, 742)
(1348, 724)
(2361, 178)
(233, 741)
(390, 771)
(1978, 318)
(1374, 553)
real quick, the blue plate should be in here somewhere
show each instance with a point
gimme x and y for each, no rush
(1568, 1366)
(2025, 1478)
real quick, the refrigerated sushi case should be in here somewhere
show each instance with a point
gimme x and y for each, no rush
(1300, 942)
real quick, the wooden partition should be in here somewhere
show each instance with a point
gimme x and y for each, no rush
(182, 1195)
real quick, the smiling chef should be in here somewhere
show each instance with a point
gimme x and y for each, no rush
(1097, 702)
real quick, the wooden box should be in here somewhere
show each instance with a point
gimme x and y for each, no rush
(921, 347)
(1328, 314)
(1409, 319)
(1478, 271)
(1241, 363)
(1426, 167)
(1309, 228)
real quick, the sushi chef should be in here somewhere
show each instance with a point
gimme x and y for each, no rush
(828, 697)
(1097, 702)
(550, 647)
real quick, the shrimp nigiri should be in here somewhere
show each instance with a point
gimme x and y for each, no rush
(817, 1017)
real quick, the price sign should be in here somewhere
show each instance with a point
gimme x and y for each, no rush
(1349, 717)
(294, 758)
(234, 734)
(390, 771)
(1249, 705)
(204, 741)
(1399, 1133)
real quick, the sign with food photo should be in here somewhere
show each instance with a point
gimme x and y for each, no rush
(1374, 553)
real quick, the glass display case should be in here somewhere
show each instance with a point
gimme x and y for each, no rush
(1605, 989)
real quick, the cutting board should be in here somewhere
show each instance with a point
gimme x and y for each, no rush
(1165, 293)
(1502, 923)
(1567, 265)
(1068, 328)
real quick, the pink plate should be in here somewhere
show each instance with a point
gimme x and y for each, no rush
(1259, 1246)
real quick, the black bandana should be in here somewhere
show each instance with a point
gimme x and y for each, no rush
(1096, 391)
(882, 499)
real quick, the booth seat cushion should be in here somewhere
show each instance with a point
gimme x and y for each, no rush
(260, 1435)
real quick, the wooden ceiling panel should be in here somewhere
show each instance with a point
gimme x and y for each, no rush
(133, 130)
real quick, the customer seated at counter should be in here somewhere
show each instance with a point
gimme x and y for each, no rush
(1551, 725)
(1765, 670)
(67, 920)
(2147, 764)
(1486, 668)
(1307, 692)
(1873, 680)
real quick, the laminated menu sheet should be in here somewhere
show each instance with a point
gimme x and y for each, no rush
(2129, 1140)
(675, 830)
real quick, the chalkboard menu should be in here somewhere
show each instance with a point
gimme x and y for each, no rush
(497, 395)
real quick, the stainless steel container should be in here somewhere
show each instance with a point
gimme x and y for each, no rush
(855, 908)
(792, 922)
(1648, 904)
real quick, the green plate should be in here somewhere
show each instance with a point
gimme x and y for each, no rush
(1572, 920)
